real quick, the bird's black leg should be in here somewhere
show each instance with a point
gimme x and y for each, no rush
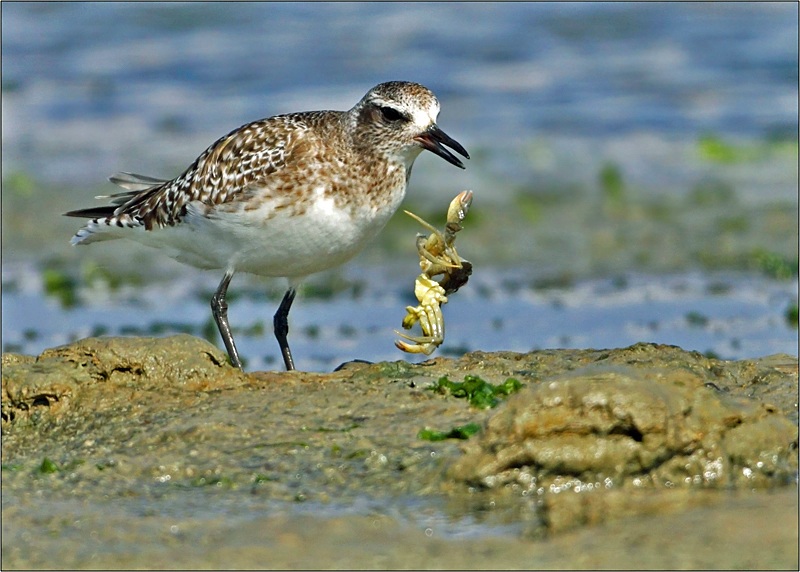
(281, 324)
(219, 308)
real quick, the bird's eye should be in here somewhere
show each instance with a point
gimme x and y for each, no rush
(391, 114)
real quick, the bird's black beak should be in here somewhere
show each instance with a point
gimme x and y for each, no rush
(434, 140)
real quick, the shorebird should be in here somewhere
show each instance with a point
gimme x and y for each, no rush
(286, 196)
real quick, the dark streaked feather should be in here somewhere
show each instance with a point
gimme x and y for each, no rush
(95, 212)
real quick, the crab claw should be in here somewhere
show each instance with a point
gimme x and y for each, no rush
(459, 207)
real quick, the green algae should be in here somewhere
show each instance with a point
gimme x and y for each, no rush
(460, 432)
(478, 392)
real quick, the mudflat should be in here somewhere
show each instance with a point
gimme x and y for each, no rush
(155, 453)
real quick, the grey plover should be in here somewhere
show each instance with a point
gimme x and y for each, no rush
(285, 196)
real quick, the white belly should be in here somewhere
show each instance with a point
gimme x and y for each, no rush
(282, 244)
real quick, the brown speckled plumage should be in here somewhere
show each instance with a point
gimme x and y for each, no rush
(280, 157)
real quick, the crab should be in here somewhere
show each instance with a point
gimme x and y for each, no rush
(437, 257)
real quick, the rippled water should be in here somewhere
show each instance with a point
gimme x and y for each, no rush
(97, 88)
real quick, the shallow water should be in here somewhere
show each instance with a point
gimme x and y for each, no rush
(690, 108)
(742, 535)
(733, 316)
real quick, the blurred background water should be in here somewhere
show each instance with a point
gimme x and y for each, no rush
(634, 168)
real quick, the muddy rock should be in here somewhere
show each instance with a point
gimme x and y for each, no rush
(50, 382)
(609, 427)
(584, 446)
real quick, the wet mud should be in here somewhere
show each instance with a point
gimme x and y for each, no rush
(147, 452)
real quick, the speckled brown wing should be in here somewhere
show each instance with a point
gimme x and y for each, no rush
(240, 160)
